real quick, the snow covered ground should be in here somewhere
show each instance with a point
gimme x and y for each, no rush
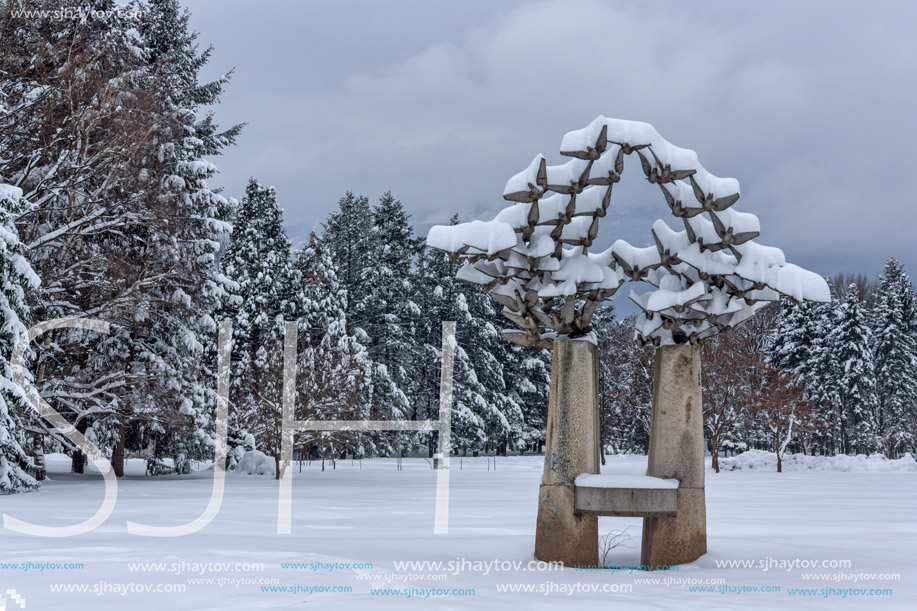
(352, 528)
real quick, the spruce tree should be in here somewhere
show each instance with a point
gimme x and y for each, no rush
(350, 241)
(179, 339)
(443, 299)
(258, 260)
(430, 283)
(851, 377)
(527, 376)
(74, 134)
(800, 345)
(793, 341)
(353, 241)
(895, 353)
(334, 368)
(17, 284)
(123, 227)
(389, 315)
(499, 392)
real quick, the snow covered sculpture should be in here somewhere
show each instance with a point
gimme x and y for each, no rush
(534, 256)
(710, 277)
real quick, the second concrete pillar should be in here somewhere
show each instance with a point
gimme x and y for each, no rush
(677, 452)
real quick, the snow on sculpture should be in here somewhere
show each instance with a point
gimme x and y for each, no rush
(534, 256)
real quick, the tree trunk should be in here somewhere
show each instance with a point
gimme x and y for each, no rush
(78, 460)
(117, 454)
(38, 453)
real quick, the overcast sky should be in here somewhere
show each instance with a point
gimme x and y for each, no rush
(810, 105)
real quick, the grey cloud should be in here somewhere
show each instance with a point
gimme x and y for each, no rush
(807, 104)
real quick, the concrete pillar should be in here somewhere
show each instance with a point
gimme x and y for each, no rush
(571, 447)
(677, 451)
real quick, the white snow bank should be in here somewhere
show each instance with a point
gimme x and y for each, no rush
(624, 480)
(257, 463)
(767, 461)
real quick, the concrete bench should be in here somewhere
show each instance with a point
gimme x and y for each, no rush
(669, 498)
(627, 495)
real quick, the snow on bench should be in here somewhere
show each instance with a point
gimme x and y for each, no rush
(623, 480)
(625, 494)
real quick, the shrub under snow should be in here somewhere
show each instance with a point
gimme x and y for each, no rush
(257, 463)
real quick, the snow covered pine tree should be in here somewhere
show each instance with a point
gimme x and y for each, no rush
(179, 335)
(334, 374)
(352, 240)
(258, 259)
(851, 375)
(17, 284)
(894, 322)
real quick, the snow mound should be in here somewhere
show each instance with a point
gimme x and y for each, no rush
(257, 463)
(760, 460)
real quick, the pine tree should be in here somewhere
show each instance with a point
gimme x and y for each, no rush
(851, 378)
(389, 314)
(350, 240)
(258, 260)
(73, 132)
(105, 139)
(793, 341)
(895, 352)
(799, 345)
(442, 299)
(354, 243)
(185, 330)
(527, 377)
(334, 368)
(17, 283)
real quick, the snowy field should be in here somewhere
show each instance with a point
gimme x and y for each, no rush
(352, 525)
